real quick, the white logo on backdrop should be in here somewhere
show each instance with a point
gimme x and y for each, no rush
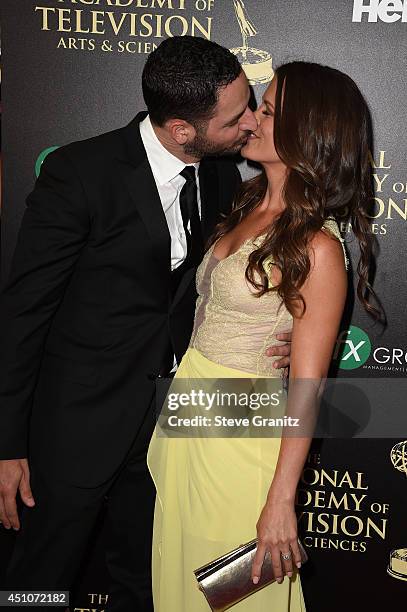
(388, 11)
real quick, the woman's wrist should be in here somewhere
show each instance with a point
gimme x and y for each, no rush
(280, 496)
(276, 502)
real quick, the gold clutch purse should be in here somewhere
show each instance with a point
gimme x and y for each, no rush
(227, 580)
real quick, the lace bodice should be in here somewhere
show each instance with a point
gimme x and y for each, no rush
(232, 326)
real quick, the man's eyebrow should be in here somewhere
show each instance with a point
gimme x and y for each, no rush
(236, 117)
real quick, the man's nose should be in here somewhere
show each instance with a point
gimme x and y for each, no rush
(249, 121)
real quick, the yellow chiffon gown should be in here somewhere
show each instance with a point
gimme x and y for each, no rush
(210, 491)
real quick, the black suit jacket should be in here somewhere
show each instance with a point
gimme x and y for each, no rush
(87, 313)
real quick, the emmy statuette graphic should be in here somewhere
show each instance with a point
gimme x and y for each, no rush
(397, 567)
(257, 64)
(398, 564)
(398, 456)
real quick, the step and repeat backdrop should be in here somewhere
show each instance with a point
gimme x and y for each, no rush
(72, 69)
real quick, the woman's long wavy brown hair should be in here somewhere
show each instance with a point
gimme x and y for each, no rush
(322, 133)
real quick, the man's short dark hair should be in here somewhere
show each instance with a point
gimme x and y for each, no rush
(182, 78)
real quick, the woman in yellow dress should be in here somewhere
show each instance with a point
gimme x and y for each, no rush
(277, 262)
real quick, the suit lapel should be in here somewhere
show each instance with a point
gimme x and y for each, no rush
(143, 191)
(209, 193)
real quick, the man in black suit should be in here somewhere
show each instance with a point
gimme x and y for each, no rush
(100, 298)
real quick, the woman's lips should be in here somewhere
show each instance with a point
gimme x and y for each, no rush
(251, 138)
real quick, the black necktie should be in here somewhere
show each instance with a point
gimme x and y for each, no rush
(190, 215)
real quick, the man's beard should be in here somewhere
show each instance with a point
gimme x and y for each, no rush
(201, 146)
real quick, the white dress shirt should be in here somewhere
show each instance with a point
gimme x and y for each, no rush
(166, 170)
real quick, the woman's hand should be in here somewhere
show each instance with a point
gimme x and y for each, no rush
(277, 533)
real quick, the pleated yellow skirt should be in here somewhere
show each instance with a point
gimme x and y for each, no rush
(210, 492)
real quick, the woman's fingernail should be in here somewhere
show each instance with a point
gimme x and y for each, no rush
(299, 564)
(255, 579)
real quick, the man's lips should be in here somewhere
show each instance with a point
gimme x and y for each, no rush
(246, 139)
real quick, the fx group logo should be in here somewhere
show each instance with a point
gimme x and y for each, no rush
(353, 348)
(387, 11)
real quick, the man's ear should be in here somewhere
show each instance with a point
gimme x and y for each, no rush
(180, 131)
